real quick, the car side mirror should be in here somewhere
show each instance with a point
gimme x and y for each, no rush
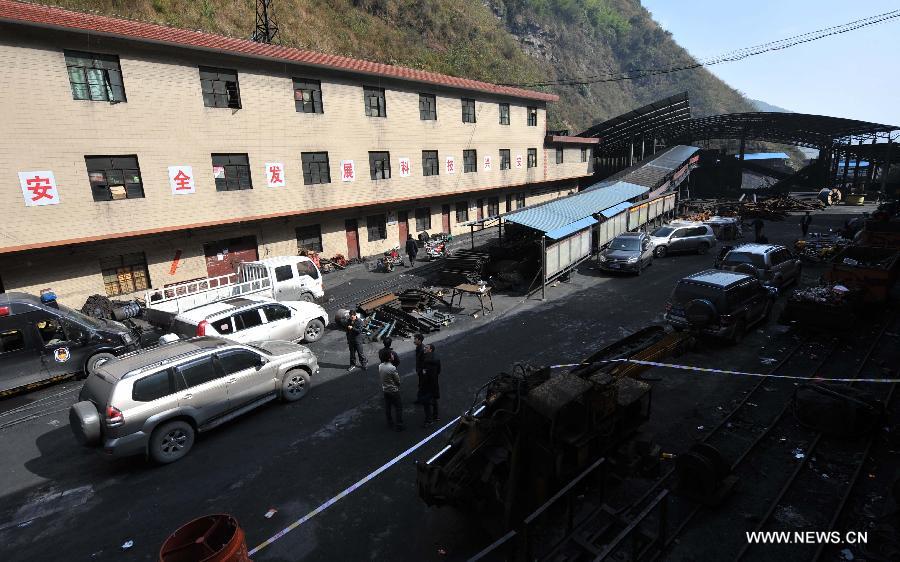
(261, 363)
(773, 292)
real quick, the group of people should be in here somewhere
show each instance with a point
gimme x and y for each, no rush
(428, 370)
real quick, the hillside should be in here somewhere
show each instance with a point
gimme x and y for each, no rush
(506, 41)
(760, 105)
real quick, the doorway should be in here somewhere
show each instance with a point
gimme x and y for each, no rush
(403, 226)
(445, 218)
(352, 228)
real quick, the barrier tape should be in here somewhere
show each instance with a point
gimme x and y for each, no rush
(350, 489)
(718, 371)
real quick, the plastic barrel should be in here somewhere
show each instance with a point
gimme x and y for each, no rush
(213, 538)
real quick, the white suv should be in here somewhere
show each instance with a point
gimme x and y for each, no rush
(252, 318)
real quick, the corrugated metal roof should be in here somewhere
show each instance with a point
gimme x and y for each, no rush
(571, 228)
(562, 212)
(95, 24)
(615, 210)
(652, 170)
(765, 156)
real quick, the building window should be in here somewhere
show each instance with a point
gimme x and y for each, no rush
(430, 163)
(532, 117)
(307, 96)
(423, 219)
(504, 114)
(377, 227)
(380, 165)
(462, 211)
(374, 98)
(220, 87)
(114, 177)
(520, 200)
(95, 77)
(315, 167)
(231, 172)
(504, 159)
(532, 158)
(309, 238)
(560, 155)
(427, 107)
(125, 274)
(493, 206)
(468, 111)
(470, 161)
(584, 154)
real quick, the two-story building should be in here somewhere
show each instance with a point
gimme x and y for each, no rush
(135, 155)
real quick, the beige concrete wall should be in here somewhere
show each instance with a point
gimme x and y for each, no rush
(165, 123)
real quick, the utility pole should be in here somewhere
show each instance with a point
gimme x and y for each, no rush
(266, 27)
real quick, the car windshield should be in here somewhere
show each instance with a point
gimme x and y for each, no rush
(663, 231)
(629, 243)
(83, 318)
(735, 258)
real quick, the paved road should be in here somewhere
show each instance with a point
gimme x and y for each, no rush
(56, 495)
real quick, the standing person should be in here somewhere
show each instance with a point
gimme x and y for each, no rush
(411, 250)
(394, 358)
(757, 228)
(355, 331)
(390, 386)
(431, 370)
(804, 223)
(418, 340)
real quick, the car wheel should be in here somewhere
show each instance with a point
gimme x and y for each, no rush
(295, 385)
(171, 442)
(660, 251)
(307, 297)
(739, 331)
(313, 331)
(703, 248)
(96, 361)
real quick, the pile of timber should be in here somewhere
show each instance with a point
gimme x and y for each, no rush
(464, 266)
(776, 208)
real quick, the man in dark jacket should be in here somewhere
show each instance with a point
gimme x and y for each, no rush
(430, 390)
(804, 223)
(394, 359)
(355, 330)
(418, 340)
(412, 248)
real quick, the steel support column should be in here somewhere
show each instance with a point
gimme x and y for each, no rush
(856, 169)
(886, 167)
(870, 171)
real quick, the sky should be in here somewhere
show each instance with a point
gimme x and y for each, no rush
(854, 75)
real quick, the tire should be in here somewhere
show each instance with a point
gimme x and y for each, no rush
(307, 297)
(314, 330)
(171, 441)
(84, 419)
(660, 251)
(703, 248)
(295, 385)
(95, 361)
(700, 313)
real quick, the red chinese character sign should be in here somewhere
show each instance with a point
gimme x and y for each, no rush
(451, 165)
(275, 174)
(181, 180)
(348, 171)
(487, 163)
(518, 160)
(39, 188)
(405, 168)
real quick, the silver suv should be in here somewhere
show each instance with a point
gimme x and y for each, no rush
(773, 265)
(682, 237)
(154, 402)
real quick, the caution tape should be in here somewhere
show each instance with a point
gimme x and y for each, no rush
(350, 489)
(719, 371)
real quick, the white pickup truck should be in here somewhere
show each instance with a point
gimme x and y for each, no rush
(283, 278)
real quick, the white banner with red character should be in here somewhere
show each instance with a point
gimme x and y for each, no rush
(181, 179)
(275, 174)
(39, 188)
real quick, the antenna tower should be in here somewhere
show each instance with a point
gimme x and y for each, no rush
(266, 27)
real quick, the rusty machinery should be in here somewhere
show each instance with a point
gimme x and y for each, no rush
(530, 431)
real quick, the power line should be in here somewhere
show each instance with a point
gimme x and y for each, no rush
(731, 56)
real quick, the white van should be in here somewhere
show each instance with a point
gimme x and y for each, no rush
(283, 278)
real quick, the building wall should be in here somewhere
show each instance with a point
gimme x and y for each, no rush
(165, 123)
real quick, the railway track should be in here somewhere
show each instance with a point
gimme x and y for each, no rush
(42, 407)
(761, 443)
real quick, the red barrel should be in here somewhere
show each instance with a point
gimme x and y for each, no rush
(213, 538)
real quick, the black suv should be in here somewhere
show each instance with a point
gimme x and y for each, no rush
(719, 303)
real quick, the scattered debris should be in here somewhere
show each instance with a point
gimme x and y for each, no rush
(798, 453)
(701, 427)
(846, 554)
(269, 514)
(127, 544)
(768, 360)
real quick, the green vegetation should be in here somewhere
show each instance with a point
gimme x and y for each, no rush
(504, 41)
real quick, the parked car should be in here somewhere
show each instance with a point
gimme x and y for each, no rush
(774, 265)
(254, 318)
(154, 402)
(719, 303)
(682, 237)
(629, 251)
(41, 339)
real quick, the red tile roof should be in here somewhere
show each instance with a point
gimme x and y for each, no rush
(58, 18)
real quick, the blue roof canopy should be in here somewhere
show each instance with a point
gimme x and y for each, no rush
(571, 228)
(615, 210)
